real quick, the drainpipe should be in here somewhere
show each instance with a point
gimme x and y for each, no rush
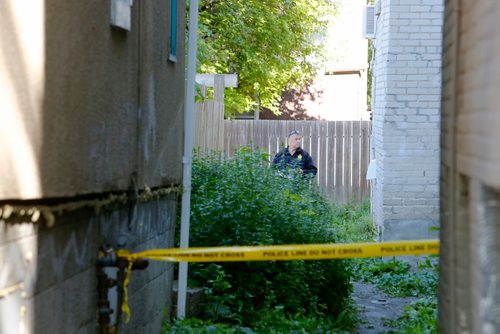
(189, 121)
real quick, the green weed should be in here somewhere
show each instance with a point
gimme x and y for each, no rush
(399, 279)
(418, 318)
(241, 201)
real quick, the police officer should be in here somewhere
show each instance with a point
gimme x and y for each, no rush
(293, 157)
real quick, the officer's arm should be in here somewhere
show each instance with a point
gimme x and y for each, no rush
(276, 159)
(309, 167)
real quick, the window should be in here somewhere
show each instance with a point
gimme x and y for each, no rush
(172, 56)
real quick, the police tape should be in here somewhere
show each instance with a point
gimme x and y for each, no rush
(286, 252)
(277, 253)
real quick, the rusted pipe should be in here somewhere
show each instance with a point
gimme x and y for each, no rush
(107, 258)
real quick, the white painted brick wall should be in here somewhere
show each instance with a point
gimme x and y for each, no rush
(406, 104)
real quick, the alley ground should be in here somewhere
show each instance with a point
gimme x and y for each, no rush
(375, 307)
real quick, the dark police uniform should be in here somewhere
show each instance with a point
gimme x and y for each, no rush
(300, 159)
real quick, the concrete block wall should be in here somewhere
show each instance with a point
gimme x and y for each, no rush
(469, 297)
(406, 117)
(53, 276)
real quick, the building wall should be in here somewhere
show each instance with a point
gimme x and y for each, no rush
(90, 135)
(344, 94)
(406, 117)
(84, 104)
(469, 297)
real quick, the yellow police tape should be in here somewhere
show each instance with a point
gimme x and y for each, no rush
(281, 252)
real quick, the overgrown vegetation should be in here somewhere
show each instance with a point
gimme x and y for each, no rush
(399, 279)
(241, 201)
(418, 318)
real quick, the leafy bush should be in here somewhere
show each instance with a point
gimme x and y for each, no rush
(241, 201)
(276, 322)
(273, 321)
(197, 326)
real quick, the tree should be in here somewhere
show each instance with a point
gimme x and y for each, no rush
(271, 44)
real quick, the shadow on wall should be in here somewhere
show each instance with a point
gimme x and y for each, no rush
(292, 105)
(78, 142)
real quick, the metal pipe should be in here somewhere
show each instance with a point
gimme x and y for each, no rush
(107, 258)
(189, 121)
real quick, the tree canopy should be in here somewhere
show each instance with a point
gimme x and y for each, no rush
(270, 44)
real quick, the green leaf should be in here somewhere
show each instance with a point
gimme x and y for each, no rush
(271, 45)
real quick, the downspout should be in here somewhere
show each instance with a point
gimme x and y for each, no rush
(189, 119)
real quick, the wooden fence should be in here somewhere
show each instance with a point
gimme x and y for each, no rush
(209, 135)
(340, 150)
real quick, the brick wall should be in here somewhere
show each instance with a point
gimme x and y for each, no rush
(406, 117)
(469, 297)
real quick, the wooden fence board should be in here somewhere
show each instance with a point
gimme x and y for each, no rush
(330, 176)
(322, 152)
(356, 151)
(306, 133)
(339, 162)
(270, 146)
(365, 159)
(250, 133)
(348, 160)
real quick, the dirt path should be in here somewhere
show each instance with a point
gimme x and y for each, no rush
(375, 307)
